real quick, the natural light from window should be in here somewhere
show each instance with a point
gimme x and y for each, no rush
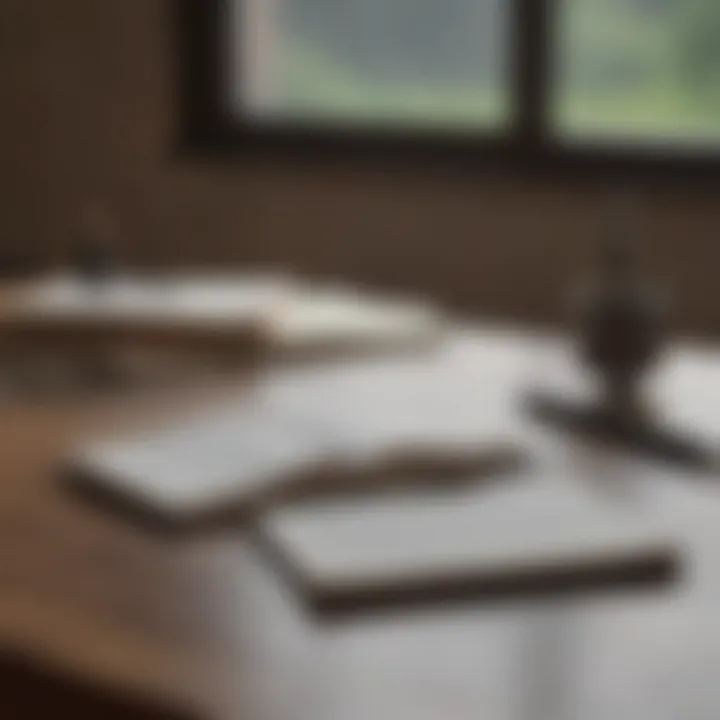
(638, 70)
(407, 63)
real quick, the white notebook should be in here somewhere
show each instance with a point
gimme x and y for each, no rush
(208, 465)
(517, 537)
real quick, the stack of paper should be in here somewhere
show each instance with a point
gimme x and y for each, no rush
(154, 300)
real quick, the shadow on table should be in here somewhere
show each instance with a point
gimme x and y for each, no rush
(33, 692)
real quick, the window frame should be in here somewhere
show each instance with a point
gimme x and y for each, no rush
(209, 129)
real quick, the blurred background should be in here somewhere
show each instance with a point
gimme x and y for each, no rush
(430, 171)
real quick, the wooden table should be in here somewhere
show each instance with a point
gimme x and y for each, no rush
(208, 622)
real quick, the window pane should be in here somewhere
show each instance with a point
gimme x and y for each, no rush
(408, 63)
(639, 70)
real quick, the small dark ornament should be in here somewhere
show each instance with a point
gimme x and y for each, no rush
(619, 323)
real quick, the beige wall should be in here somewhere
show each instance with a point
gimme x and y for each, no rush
(87, 95)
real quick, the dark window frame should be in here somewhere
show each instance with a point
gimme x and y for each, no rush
(209, 129)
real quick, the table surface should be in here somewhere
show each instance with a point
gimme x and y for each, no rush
(209, 622)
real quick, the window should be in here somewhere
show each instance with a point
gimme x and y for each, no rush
(643, 71)
(402, 63)
(562, 82)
